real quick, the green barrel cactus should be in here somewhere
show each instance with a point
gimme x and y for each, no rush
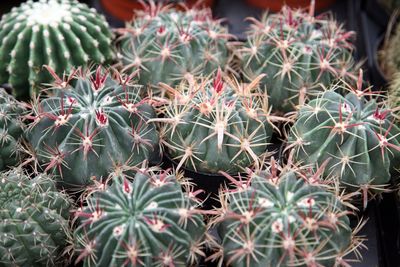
(282, 219)
(167, 45)
(357, 134)
(147, 222)
(213, 125)
(60, 33)
(33, 220)
(89, 129)
(11, 130)
(299, 53)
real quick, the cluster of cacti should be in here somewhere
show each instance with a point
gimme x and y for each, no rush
(167, 45)
(299, 53)
(34, 222)
(11, 130)
(60, 33)
(149, 221)
(283, 217)
(212, 125)
(94, 124)
(355, 132)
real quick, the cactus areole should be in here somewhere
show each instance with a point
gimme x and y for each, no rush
(88, 130)
(60, 33)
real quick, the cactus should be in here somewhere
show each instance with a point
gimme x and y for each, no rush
(388, 56)
(146, 222)
(167, 45)
(33, 220)
(394, 95)
(213, 125)
(356, 132)
(299, 53)
(60, 33)
(88, 130)
(282, 216)
(11, 130)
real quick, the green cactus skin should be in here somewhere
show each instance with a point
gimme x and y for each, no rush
(93, 127)
(285, 219)
(299, 54)
(60, 33)
(147, 222)
(213, 126)
(358, 135)
(33, 220)
(167, 45)
(11, 130)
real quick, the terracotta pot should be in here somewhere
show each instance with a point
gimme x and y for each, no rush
(276, 5)
(124, 9)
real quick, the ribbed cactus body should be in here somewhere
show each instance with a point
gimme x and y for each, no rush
(299, 54)
(59, 33)
(212, 126)
(11, 130)
(356, 133)
(146, 222)
(33, 220)
(283, 220)
(168, 45)
(90, 129)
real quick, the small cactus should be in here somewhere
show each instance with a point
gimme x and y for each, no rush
(11, 130)
(167, 45)
(282, 216)
(299, 54)
(60, 33)
(149, 221)
(92, 125)
(33, 220)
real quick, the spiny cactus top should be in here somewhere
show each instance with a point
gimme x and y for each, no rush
(356, 132)
(282, 219)
(59, 33)
(92, 127)
(147, 222)
(211, 126)
(11, 129)
(297, 52)
(33, 220)
(167, 45)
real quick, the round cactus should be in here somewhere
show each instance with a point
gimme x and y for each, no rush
(11, 130)
(147, 222)
(167, 45)
(299, 54)
(355, 132)
(284, 218)
(33, 220)
(58, 33)
(93, 127)
(213, 126)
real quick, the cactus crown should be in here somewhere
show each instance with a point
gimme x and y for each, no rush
(60, 33)
(33, 220)
(147, 222)
(283, 216)
(216, 124)
(93, 123)
(297, 51)
(168, 45)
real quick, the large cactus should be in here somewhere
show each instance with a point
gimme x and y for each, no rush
(90, 128)
(213, 126)
(59, 33)
(282, 217)
(167, 45)
(299, 54)
(11, 130)
(33, 220)
(356, 132)
(146, 222)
